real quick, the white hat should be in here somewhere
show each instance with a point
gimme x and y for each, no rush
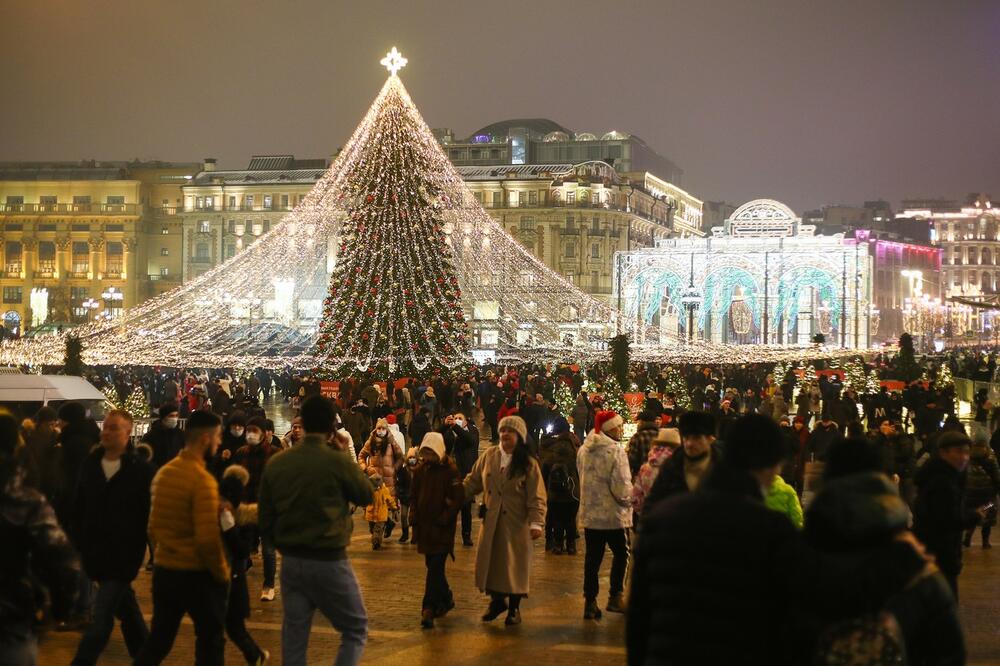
(435, 442)
(668, 436)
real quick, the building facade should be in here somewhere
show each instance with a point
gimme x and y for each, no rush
(763, 277)
(73, 238)
(968, 235)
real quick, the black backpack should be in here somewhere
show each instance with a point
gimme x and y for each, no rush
(559, 479)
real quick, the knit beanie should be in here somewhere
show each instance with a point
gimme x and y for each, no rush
(515, 423)
(607, 420)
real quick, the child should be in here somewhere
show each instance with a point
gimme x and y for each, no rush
(231, 490)
(436, 497)
(378, 511)
(404, 478)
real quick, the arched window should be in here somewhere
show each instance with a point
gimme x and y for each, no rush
(973, 256)
(986, 284)
(987, 259)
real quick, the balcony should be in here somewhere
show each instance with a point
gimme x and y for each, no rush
(113, 274)
(12, 271)
(45, 274)
(70, 209)
(167, 211)
(156, 277)
(78, 275)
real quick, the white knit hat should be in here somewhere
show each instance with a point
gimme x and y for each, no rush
(435, 442)
(515, 423)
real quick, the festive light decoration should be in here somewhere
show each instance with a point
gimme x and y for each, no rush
(807, 377)
(676, 384)
(393, 61)
(855, 377)
(136, 404)
(564, 398)
(944, 379)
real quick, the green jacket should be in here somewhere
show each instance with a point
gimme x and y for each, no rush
(305, 496)
(783, 499)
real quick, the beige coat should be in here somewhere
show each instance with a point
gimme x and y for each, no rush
(386, 465)
(503, 557)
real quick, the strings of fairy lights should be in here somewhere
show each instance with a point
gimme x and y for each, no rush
(231, 316)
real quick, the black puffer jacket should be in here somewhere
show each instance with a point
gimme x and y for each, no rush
(671, 480)
(165, 442)
(718, 563)
(110, 517)
(861, 513)
(939, 517)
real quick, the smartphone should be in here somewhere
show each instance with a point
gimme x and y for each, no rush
(987, 507)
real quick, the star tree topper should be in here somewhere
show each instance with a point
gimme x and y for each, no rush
(393, 61)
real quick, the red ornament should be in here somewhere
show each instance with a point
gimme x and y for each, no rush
(369, 198)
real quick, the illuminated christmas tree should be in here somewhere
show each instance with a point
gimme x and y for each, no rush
(564, 398)
(807, 377)
(944, 378)
(614, 398)
(855, 376)
(394, 306)
(136, 404)
(678, 386)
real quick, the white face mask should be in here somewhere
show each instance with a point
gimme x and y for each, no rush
(253, 438)
(236, 432)
(460, 423)
(170, 422)
(381, 432)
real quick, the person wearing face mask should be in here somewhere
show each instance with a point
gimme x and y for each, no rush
(163, 436)
(461, 441)
(382, 454)
(233, 437)
(253, 456)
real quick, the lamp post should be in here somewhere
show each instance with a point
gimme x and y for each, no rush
(690, 300)
(113, 298)
(90, 305)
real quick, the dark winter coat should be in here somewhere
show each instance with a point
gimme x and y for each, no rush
(359, 424)
(75, 443)
(253, 457)
(556, 450)
(462, 446)
(861, 513)
(165, 442)
(110, 517)
(694, 601)
(820, 441)
(436, 498)
(671, 480)
(939, 517)
(404, 484)
(419, 426)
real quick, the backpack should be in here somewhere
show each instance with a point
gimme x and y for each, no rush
(559, 479)
(868, 640)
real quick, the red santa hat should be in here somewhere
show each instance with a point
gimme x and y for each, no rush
(390, 418)
(606, 420)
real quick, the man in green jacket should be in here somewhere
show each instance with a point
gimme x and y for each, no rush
(304, 511)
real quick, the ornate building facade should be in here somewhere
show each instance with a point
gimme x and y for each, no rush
(74, 238)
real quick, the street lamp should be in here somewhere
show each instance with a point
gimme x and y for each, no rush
(114, 296)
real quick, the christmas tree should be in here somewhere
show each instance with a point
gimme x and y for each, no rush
(872, 383)
(675, 384)
(944, 377)
(807, 377)
(855, 377)
(614, 398)
(136, 404)
(394, 306)
(564, 398)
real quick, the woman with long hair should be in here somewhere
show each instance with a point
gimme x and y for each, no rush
(514, 499)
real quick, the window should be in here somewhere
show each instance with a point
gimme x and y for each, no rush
(164, 252)
(595, 225)
(46, 257)
(78, 293)
(569, 222)
(164, 231)
(532, 198)
(527, 223)
(478, 196)
(115, 200)
(570, 249)
(47, 202)
(80, 227)
(81, 199)
(232, 201)
(12, 295)
(570, 198)
(204, 227)
(201, 251)
(497, 201)
(232, 226)
(595, 280)
(81, 257)
(46, 227)
(230, 251)
(15, 203)
(267, 201)
(595, 251)
(247, 227)
(571, 278)
(248, 202)
(284, 202)
(13, 227)
(164, 271)
(12, 257)
(114, 227)
(209, 203)
(257, 229)
(113, 258)
(267, 226)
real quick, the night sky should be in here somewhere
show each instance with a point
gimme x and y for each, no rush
(809, 101)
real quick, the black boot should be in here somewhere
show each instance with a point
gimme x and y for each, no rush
(557, 546)
(591, 611)
(570, 546)
(986, 535)
(967, 541)
(497, 606)
(388, 528)
(514, 614)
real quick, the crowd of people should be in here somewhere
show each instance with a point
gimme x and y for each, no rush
(832, 501)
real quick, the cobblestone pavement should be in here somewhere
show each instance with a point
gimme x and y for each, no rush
(553, 631)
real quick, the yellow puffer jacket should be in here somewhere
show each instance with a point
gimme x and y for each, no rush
(184, 519)
(382, 501)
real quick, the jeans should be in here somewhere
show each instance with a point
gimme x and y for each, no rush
(404, 517)
(596, 541)
(115, 598)
(251, 534)
(200, 596)
(332, 588)
(437, 593)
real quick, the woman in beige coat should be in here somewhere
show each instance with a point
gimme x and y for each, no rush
(514, 494)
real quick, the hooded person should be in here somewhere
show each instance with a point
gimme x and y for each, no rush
(381, 453)
(605, 509)
(397, 434)
(437, 496)
(557, 455)
(377, 513)
(163, 436)
(667, 441)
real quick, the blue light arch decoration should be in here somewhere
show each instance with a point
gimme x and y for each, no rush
(720, 285)
(790, 287)
(660, 282)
